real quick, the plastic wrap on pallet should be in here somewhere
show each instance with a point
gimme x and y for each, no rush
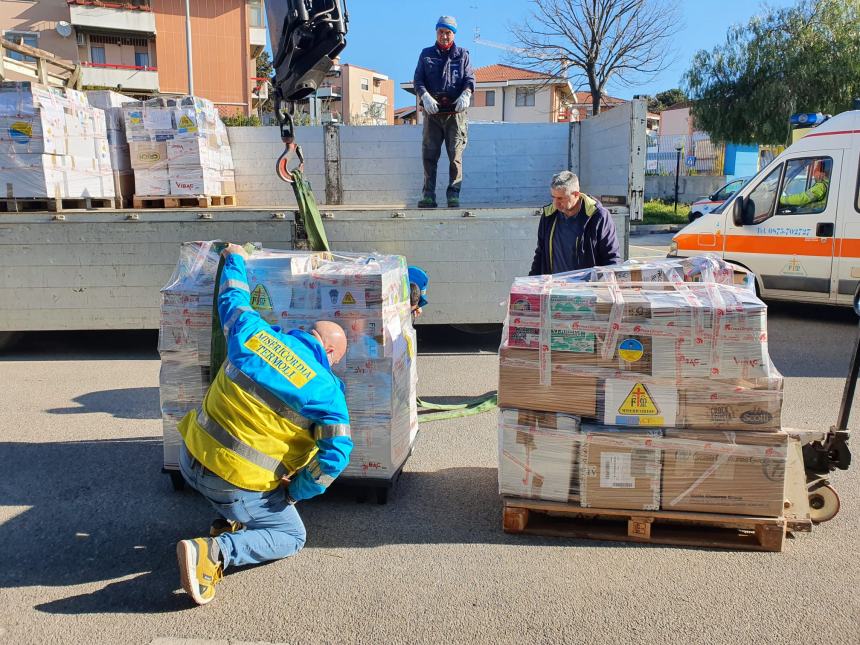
(118, 149)
(661, 352)
(53, 144)
(551, 456)
(366, 295)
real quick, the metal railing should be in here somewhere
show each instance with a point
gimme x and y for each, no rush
(698, 155)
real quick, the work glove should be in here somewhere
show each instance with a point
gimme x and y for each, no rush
(464, 101)
(430, 104)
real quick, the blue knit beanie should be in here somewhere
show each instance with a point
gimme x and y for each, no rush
(447, 22)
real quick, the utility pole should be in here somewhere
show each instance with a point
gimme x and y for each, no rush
(188, 46)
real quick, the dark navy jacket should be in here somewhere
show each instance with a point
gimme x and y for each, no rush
(444, 74)
(598, 244)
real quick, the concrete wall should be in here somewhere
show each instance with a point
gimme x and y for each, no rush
(503, 164)
(689, 188)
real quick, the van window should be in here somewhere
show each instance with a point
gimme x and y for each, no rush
(728, 190)
(806, 186)
(764, 195)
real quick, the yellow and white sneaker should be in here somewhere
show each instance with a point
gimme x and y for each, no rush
(200, 567)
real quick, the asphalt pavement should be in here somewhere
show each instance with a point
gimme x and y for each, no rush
(89, 524)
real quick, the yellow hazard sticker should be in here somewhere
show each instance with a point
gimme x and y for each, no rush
(348, 299)
(260, 299)
(638, 402)
(280, 357)
(186, 123)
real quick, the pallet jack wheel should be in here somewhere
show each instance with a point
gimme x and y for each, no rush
(823, 504)
(177, 480)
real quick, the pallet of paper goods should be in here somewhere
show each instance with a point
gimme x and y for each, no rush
(366, 295)
(639, 402)
(54, 152)
(180, 153)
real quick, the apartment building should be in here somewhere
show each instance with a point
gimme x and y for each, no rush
(139, 46)
(354, 95)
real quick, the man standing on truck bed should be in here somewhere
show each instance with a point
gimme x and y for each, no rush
(444, 81)
(575, 231)
(273, 430)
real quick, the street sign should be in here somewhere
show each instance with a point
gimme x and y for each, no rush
(690, 161)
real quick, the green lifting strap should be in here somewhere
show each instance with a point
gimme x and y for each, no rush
(309, 213)
(218, 344)
(438, 412)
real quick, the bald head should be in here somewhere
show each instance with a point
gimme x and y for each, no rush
(333, 339)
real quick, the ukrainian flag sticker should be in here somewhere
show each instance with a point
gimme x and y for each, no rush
(630, 350)
(21, 132)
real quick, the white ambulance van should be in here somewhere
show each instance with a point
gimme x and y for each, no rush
(796, 224)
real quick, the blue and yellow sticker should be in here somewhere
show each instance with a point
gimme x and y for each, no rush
(21, 132)
(630, 350)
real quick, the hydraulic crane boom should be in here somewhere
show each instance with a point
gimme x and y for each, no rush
(307, 35)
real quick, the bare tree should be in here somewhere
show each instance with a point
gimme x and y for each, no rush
(595, 41)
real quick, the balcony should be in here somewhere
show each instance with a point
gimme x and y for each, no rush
(142, 79)
(257, 40)
(134, 16)
(328, 92)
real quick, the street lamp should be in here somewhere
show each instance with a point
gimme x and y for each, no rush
(678, 147)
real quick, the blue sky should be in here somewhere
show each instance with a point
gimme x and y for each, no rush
(387, 35)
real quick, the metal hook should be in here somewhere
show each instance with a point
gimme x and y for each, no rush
(282, 165)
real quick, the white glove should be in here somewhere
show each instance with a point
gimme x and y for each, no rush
(464, 101)
(430, 104)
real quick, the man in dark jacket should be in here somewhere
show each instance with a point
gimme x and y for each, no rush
(575, 231)
(444, 81)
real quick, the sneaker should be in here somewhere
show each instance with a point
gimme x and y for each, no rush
(221, 525)
(427, 202)
(200, 568)
(453, 202)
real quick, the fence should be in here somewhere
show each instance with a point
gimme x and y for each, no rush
(698, 155)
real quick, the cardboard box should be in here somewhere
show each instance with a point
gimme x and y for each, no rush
(194, 180)
(739, 473)
(722, 409)
(619, 468)
(519, 385)
(32, 175)
(538, 455)
(151, 182)
(148, 155)
(630, 402)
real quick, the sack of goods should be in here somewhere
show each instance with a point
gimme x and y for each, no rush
(179, 146)
(642, 386)
(366, 295)
(111, 104)
(53, 144)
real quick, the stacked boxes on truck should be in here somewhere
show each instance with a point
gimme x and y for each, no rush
(644, 386)
(367, 296)
(111, 104)
(179, 146)
(53, 144)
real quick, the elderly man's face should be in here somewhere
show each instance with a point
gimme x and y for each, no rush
(565, 201)
(444, 36)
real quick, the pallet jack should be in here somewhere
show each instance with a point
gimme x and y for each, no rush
(824, 452)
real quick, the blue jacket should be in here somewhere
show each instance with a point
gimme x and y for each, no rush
(598, 244)
(444, 74)
(293, 370)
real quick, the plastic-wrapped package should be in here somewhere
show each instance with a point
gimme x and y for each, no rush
(551, 456)
(179, 145)
(367, 295)
(53, 144)
(668, 350)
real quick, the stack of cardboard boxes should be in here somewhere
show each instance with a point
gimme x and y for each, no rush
(111, 104)
(654, 379)
(53, 144)
(179, 146)
(367, 296)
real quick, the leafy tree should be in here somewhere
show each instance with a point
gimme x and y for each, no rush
(804, 58)
(667, 99)
(265, 70)
(595, 41)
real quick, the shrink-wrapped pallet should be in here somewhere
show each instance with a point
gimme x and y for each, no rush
(366, 295)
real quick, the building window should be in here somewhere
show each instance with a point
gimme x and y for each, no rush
(256, 13)
(141, 59)
(525, 97)
(29, 38)
(365, 84)
(490, 98)
(97, 55)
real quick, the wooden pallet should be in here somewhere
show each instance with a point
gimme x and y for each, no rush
(652, 527)
(182, 201)
(53, 205)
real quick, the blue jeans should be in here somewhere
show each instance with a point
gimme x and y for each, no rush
(273, 528)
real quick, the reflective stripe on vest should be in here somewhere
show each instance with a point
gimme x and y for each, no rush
(219, 434)
(331, 430)
(265, 397)
(235, 284)
(228, 325)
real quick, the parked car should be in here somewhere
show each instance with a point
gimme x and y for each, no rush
(707, 204)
